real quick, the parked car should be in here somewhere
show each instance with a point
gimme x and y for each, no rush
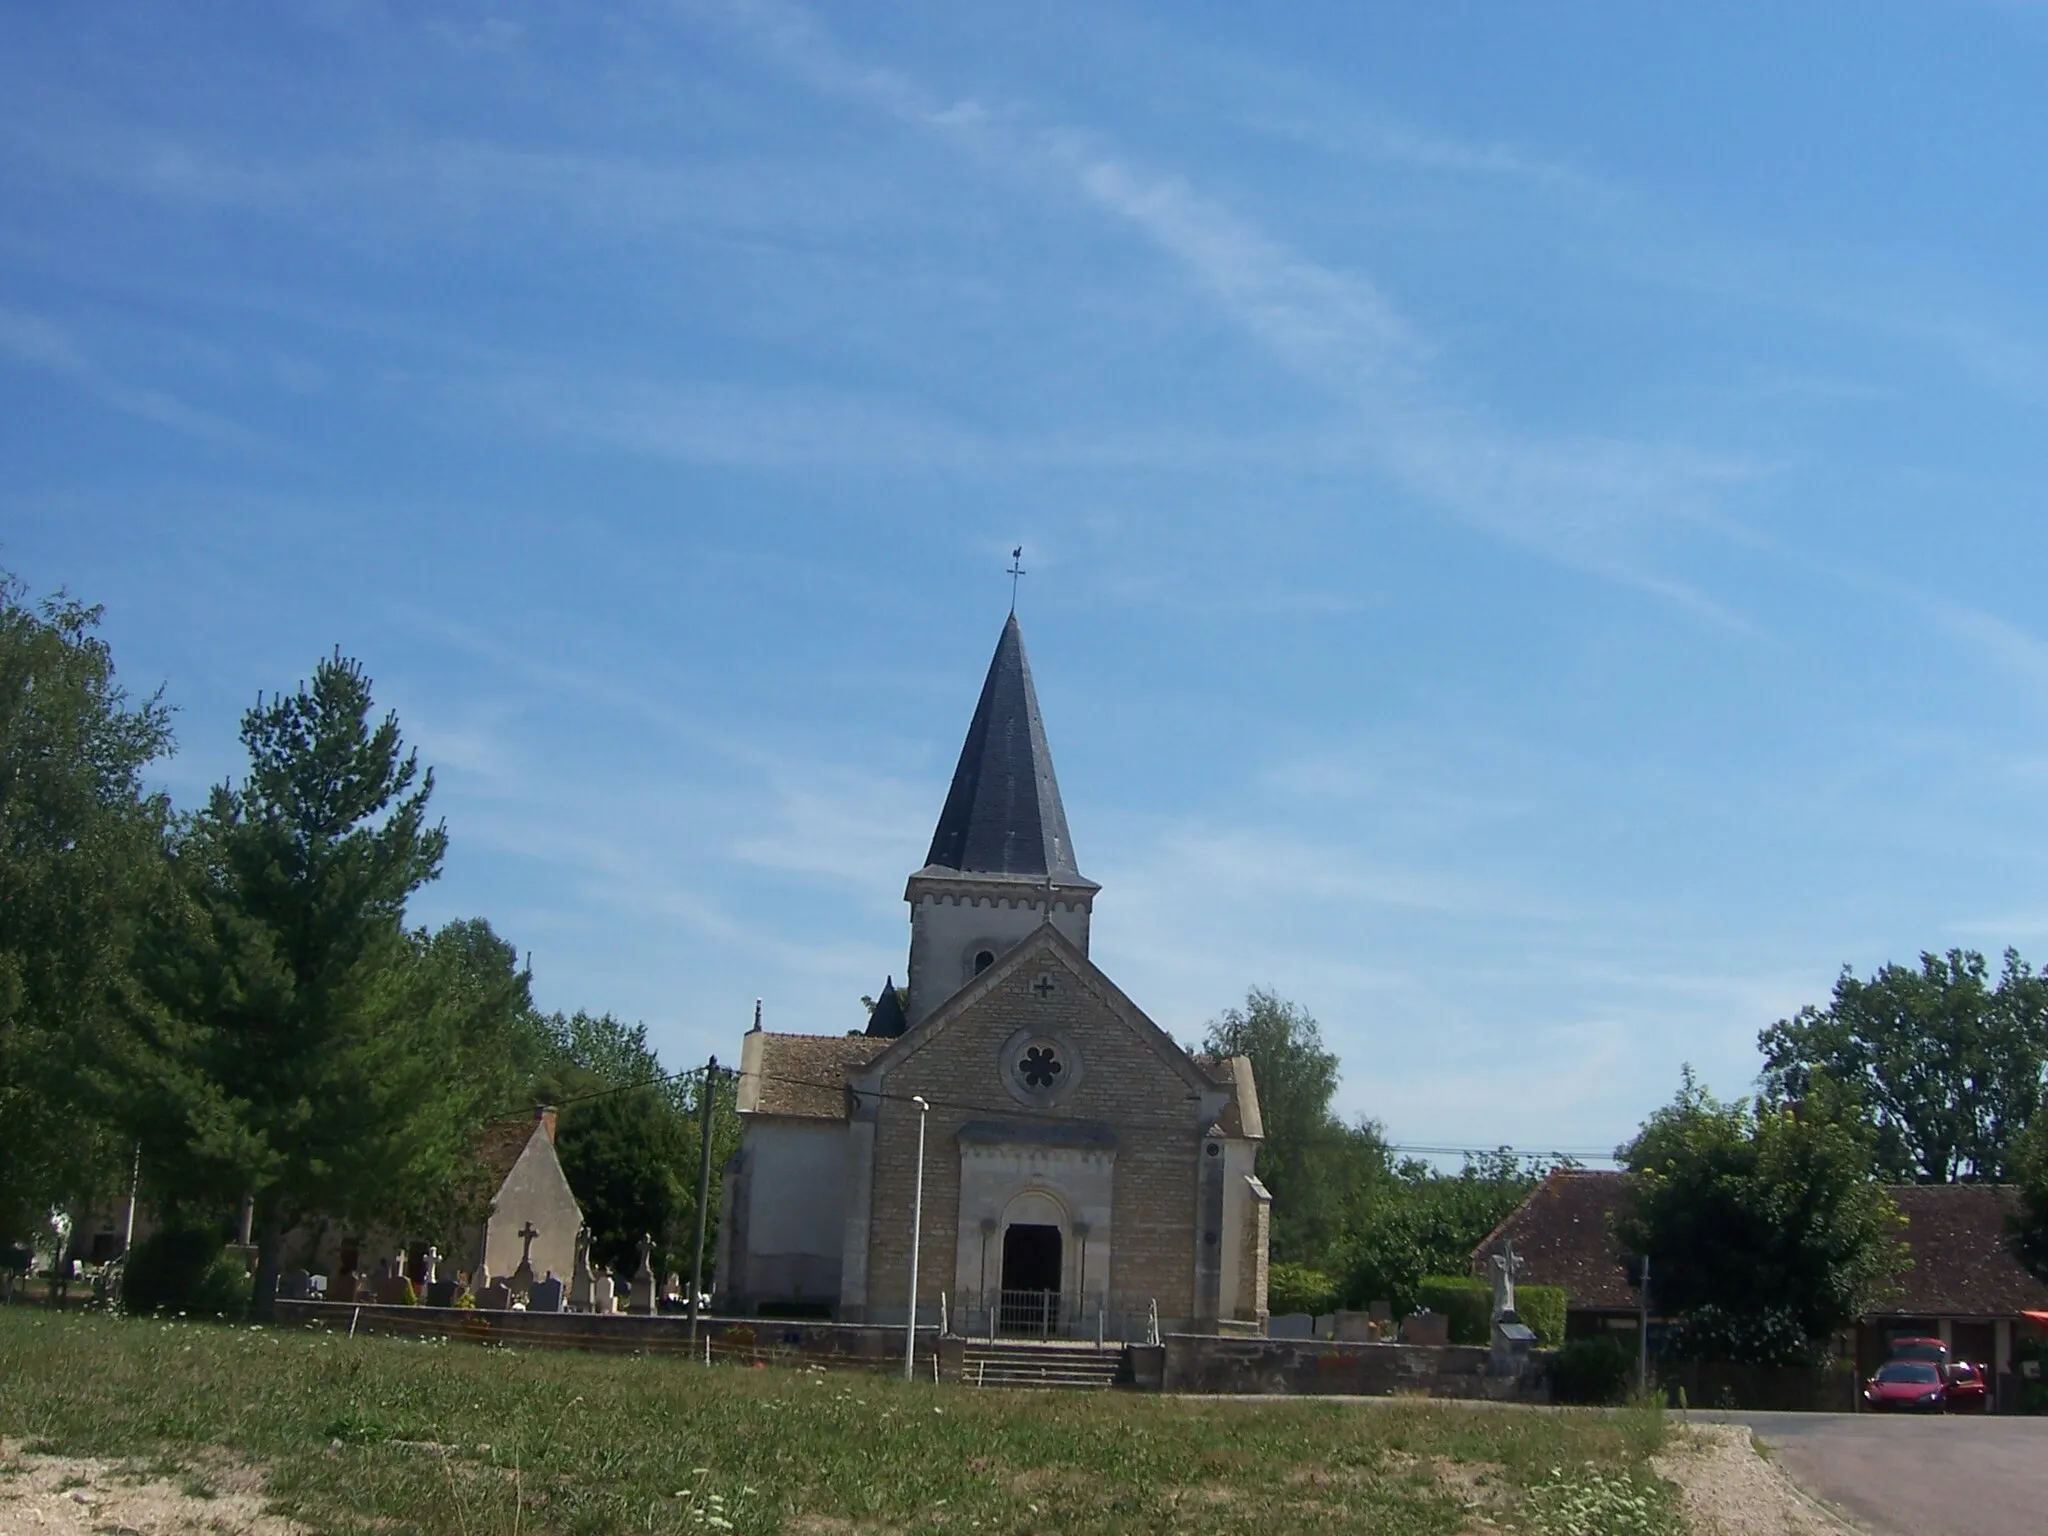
(1931, 1350)
(1908, 1386)
(1968, 1390)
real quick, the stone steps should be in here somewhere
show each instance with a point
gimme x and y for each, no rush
(1073, 1368)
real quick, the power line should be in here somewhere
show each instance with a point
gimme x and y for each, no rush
(1015, 1111)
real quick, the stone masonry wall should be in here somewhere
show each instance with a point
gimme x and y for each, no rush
(1123, 1083)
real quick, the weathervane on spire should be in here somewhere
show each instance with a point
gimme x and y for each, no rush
(1016, 570)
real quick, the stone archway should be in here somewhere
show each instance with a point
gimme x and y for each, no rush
(1033, 1259)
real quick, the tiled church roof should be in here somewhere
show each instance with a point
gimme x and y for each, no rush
(1003, 814)
(803, 1075)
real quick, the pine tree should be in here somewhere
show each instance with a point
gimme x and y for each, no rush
(293, 1052)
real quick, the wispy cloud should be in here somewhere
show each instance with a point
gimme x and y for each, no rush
(1577, 500)
(37, 343)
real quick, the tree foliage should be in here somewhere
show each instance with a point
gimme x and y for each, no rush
(2030, 1222)
(81, 859)
(1316, 1167)
(302, 1047)
(1346, 1214)
(1948, 1064)
(1765, 1226)
(629, 1138)
(1417, 1221)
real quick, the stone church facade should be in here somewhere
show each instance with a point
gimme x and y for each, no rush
(1081, 1171)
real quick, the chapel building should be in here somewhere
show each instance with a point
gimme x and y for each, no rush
(1081, 1170)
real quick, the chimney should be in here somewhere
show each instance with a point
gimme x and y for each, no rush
(544, 1115)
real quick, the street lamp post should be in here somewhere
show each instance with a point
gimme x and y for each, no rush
(916, 1233)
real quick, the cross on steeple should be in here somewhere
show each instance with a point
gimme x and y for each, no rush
(1016, 570)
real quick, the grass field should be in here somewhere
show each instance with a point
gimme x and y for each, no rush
(399, 1436)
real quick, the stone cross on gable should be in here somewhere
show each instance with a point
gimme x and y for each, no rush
(527, 1233)
(1505, 1263)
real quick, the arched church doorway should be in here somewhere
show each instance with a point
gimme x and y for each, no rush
(1031, 1279)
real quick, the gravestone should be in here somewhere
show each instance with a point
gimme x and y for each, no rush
(392, 1288)
(522, 1277)
(495, 1297)
(1356, 1327)
(601, 1298)
(546, 1295)
(1291, 1325)
(442, 1293)
(672, 1287)
(294, 1285)
(430, 1267)
(641, 1301)
(1426, 1328)
(580, 1281)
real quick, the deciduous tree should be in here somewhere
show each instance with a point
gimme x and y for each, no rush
(1763, 1224)
(1947, 1063)
(81, 859)
(1317, 1168)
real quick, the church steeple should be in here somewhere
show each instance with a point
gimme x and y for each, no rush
(1003, 815)
(1001, 861)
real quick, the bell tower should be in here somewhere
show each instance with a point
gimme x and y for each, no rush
(1001, 862)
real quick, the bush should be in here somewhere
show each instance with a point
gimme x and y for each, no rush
(184, 1269)
(1542, 1308)
(1468, 1303)
(1297, 1288)
(1594, 1370)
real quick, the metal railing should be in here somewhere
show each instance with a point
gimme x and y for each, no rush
(1029, 1315)
(1098, 1317)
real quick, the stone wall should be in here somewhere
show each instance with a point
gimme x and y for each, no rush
(772, 1341)
(1205, 1363)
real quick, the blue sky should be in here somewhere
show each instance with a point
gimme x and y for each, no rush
(1534, 514)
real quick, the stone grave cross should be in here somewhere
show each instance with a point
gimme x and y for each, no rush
(1505, 1263)
(522, 1277)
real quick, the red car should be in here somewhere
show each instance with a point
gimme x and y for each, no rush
(1908, 1386)
(1919, 1349)
(1968, 1391)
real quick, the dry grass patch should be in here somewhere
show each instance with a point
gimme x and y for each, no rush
(76, 1495)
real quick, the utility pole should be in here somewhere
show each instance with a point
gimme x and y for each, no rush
(706, 1102)
(1643, 1332)
(916, 1230)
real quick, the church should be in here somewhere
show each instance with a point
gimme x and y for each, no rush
(1072, 1171)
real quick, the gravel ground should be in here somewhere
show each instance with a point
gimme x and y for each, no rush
(79, 1495)
(1727, 1489)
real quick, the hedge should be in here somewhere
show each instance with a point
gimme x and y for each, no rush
(1468, 1303)
(1542, 1308)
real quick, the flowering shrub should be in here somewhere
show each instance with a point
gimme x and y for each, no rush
(1589, 1502)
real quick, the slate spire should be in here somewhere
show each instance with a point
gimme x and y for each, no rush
(1003, 815)
(885, 1019)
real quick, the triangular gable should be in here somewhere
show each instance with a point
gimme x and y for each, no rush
(537, 1164)
(1047, 941)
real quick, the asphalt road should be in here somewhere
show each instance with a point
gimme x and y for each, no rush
(1903, 1475)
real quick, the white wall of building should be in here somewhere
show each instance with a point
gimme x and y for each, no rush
(796, 1208)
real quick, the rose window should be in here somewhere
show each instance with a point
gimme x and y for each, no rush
(1040, 1067)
